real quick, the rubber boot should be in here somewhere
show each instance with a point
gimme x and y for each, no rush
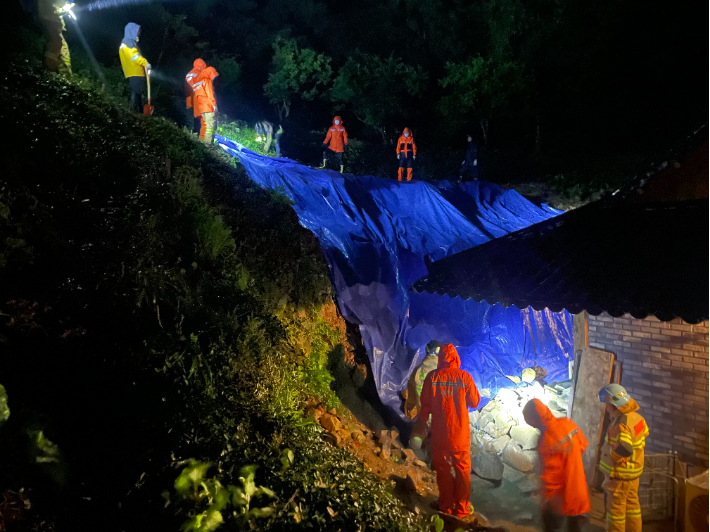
(323, 164)
(409, 174)
(341, 168)
(400, 174)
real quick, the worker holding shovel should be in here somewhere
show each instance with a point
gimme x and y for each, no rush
(136, 68)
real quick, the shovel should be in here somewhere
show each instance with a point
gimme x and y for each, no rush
(148, 108)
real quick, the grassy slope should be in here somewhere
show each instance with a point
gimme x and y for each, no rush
(155, 305)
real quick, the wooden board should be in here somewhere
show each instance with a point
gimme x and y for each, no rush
(592, 371)
(597, 475)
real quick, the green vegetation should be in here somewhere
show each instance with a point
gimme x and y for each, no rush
(159, 311)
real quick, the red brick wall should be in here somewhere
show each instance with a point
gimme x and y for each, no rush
(665, 368)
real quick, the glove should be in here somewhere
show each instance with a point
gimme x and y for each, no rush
(463, 163)
(398, 156)
(414, 157)
(148, 69)
(475, 162)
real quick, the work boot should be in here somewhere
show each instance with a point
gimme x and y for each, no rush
(341, 168)
(324, 161)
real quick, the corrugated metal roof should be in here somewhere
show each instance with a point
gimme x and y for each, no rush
(609, 256)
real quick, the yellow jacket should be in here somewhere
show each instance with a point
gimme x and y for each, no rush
(132, 61)
(623, 450)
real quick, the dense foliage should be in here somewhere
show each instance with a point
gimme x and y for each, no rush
(159, 313)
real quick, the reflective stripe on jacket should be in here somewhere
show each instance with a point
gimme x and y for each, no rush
(197, 67)
(626, 431)
(132, 61)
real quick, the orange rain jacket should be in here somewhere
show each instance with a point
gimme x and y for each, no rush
(406, 145)
(337, 136)
(203, 91)
(561, 444)
(447, 394)
(198, 66)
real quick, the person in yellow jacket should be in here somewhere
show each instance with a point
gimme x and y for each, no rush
(56, 55)
(413, 392)
(622, 459)
(135, 66)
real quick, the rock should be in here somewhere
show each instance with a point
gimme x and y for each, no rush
(514, 456)
(330, 423)
(500, 443)
(484, 420)
(420, 463)
(473, 416)
(497, 431)
(529, 375)
(394, 434)
(488, 466)
(528, 484)
(343, 436)
(386, 450)
(514, 378)
(409, 455)
(525, 436)
(485, 392)
(358, 437)
(414, 481)
(333, 412)
(511, 474)
(501, 417)
(533, 457)
(487, 444)
(492, 405)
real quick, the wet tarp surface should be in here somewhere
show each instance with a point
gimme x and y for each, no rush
(375, 234)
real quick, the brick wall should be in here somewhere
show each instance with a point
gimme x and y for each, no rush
(665, 368)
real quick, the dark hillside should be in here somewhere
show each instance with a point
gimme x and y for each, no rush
(157, 306)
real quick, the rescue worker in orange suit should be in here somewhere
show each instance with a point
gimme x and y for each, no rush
(564, 494)
(197, 67)
(447, 394)
(205, 104)
(338, 138)
(622, 459)
(406, 154)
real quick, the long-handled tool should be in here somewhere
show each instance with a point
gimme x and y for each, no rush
(148, 108)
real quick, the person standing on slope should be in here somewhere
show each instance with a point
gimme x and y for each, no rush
(205, 103)
(338, 138)
(197, 67)
(564, 495)
(56, 55)
(470, 164)
(447, 394)
(412, 404)
(135, 66)
(406, 154)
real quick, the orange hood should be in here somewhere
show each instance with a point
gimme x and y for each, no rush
(543, 413)
(339, 119)
(448, 357)
(407, 130)
(209, 73)
(199, 64)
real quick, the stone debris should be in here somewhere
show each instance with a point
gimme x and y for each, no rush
(500, 443)
(487, 465)
(528, 375)
(525, 436)
(514, 456)
(511, 474)
(529, 484)
(414, 481)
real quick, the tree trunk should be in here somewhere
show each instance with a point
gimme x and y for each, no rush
(484, 128)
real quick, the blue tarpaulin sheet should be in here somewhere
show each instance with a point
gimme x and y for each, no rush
(375, 234)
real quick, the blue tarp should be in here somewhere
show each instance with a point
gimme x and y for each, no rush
(375, 234)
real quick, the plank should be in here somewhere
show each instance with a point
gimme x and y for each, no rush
(597, 475)
(593, 368)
